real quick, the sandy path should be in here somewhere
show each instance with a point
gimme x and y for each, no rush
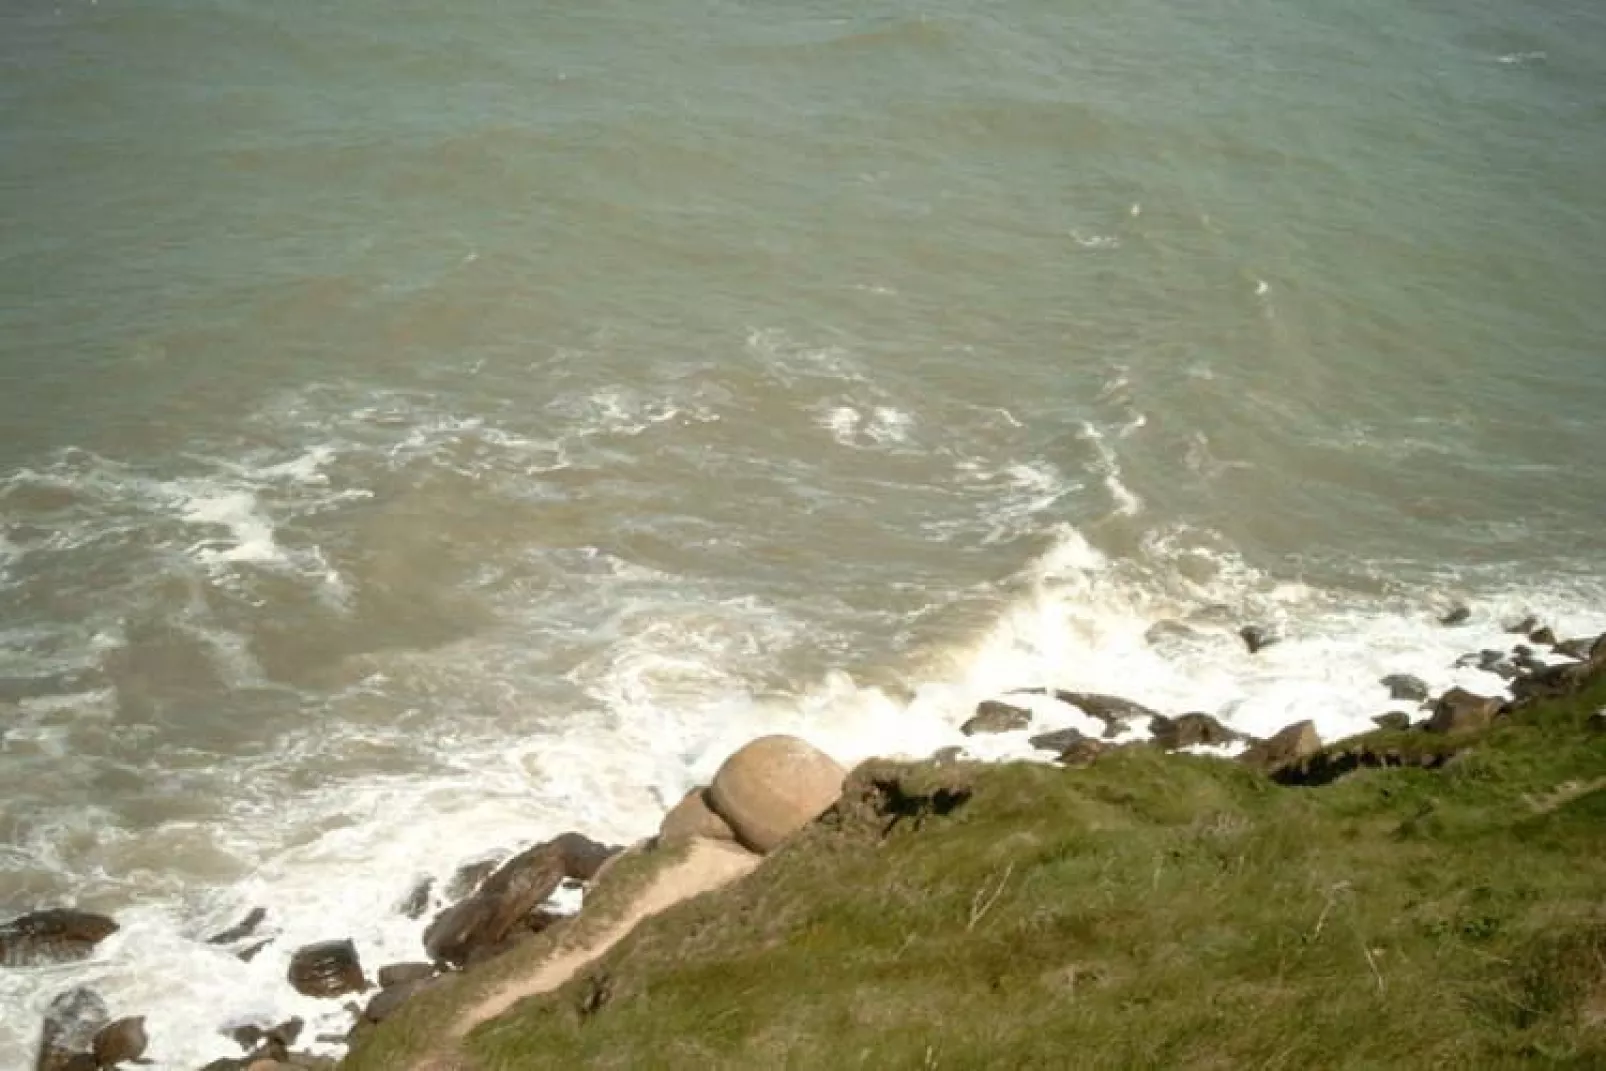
(706, 866)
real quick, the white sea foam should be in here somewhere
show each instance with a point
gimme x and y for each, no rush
(671, 701)
(1108, 465)
(881, 425)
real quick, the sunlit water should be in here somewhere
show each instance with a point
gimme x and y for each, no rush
(424, 428)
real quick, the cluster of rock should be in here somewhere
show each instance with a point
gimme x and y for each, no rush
(1291, 753)
(761, 795)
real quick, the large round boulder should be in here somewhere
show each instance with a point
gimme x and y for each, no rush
(773, 787)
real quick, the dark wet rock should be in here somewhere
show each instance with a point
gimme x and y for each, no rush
(1529, 664)
(327, 969)
(1522, 650)
(57, 935)
(1116, 713)
(386, 1001)
(394, 974)
(468, 878)
(1523, 627)
(68, 1034)
(121, 1042)
(416, 902)
(1058, 740)
(240, 930)
(1457, 616)
(1553, 682)
(1394, 720)
(1461, 711)
(1544, 637)
(1287, 745)
(488, 918)
(1257, 637)
(582, 856)
(994, 717)
(272, 1043)
(1190, 730)
(249, 952)
(1505, 670)
(1575, 648)
(1596, 722)
(1405, 686)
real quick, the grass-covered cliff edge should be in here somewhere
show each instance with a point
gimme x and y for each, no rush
(1146, 910)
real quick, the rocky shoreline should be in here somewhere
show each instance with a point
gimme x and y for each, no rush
(763, 793)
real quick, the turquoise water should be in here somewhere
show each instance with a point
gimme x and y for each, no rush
(423, 429)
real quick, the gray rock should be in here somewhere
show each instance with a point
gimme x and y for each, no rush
(1190, 730)
(488, 918)
(394, 974)
(993, 716)
(240, 930)
(1058, 740)
(71, 1022)
(1461, 711)
(1544, 637)
(388, 1000)
(1523, 627)
(1405, 686)
(1287, 746)
(1457, 616)
(416, 902)
(1116, 713)
(1394, 720)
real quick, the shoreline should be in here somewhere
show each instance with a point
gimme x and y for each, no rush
(1072, 729)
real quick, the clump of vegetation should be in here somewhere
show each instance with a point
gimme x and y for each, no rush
(1148, 910)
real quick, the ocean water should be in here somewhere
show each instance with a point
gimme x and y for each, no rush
(427, 428)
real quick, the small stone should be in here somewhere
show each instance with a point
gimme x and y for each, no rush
(994, 717)
(240, 930)
(416, 902)
(1406, 687)
(1460, 711)
(1525, 626)
(386, 1001)
(1190, 730)
(468, 878)
(947, 756)
(1082, 752)
(1288, 745)
(1257, 637)
(71, 1022)
(394, 974)
(693, 819)
(122, 1041)
(1394, 720)
(1059, 740)
(249, 952)
(327, 969)
(1116, 713)
(1575, 648)
(1544, 637)
(1457, 616)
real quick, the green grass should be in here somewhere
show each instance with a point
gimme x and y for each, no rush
(1146, 911)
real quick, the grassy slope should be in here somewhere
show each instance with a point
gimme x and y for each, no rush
(1147, 911)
